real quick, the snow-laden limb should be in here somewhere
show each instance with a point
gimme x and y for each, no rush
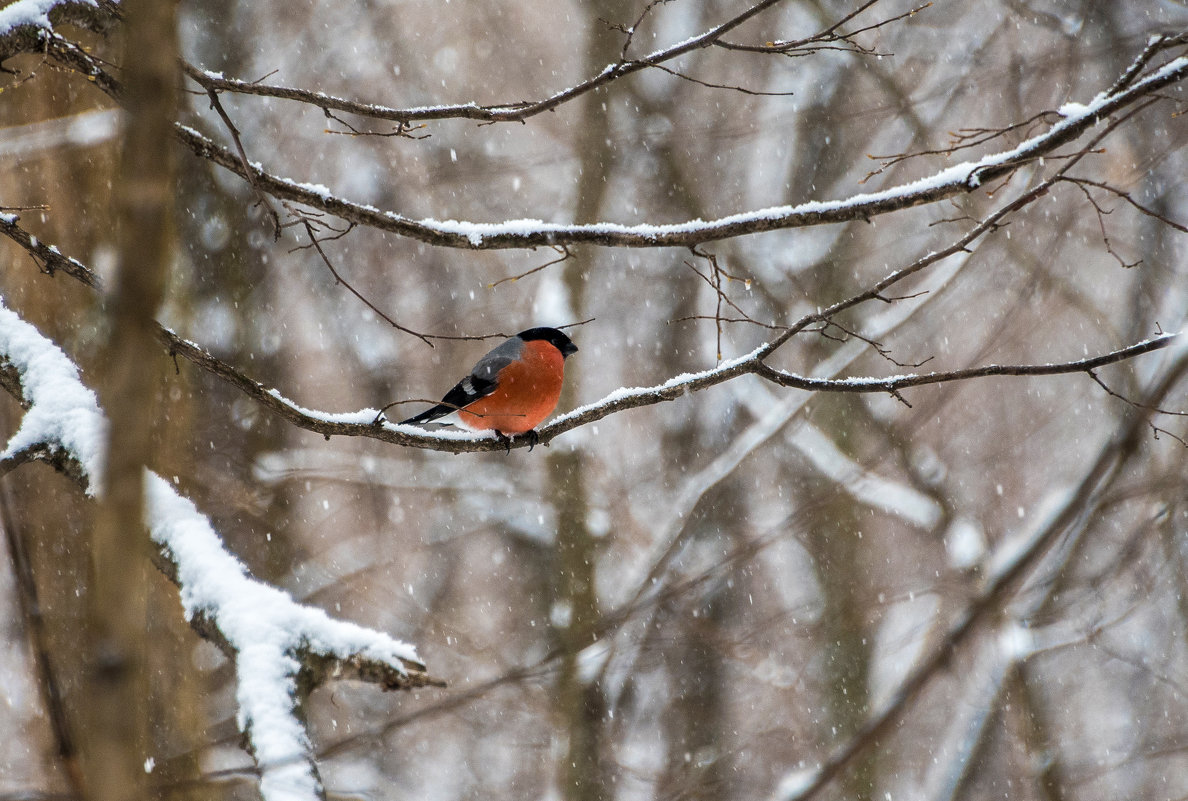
(269, 636)
(281, 649)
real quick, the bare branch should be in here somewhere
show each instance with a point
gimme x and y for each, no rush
(506, 112)
(895, 383)
(714, 280)
(1154, 409)
(1083, 182)
(823, 40)
(709, 85)
(629, 33)
(316, 244)
(566, 255)
(234, 132)
(961, 139)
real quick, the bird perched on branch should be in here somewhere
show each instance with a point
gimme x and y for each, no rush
(512, 389)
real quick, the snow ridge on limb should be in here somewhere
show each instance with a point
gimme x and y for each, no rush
(1075, 120)
(370, 423)
(281, 649)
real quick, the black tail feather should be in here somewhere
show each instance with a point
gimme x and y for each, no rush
(440, 410)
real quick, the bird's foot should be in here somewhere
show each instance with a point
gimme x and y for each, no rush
(530, 435)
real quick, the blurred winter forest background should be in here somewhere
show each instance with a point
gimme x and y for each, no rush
(969, 589)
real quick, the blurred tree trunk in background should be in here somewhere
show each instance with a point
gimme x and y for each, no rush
(581, 704)
(116, 735)
(691, 632)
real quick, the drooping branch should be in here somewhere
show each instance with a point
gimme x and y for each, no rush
(281, 649)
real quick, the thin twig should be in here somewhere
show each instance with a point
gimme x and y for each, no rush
(316, 244)
(1105, 237)
(962, 139)
(1148, 211)
(1155, 409)
(566, 255)
(261, 198)
(31, 612)
(505, 112)
(709, 85)
(826, 39)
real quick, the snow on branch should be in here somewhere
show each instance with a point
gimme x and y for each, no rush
(370, 423)
(25, 23)
(281, 649)
(892, 384)
(1075, 120)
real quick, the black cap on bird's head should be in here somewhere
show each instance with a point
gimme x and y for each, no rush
(553, 337)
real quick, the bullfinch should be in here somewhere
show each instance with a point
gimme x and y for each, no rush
(511, 389)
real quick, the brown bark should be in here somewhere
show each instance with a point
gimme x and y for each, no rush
(116, 734)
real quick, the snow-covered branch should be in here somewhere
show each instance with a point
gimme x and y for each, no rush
(892, 384)
(1076, 120)
(25, 23)
(281, 649)
(369, 423)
